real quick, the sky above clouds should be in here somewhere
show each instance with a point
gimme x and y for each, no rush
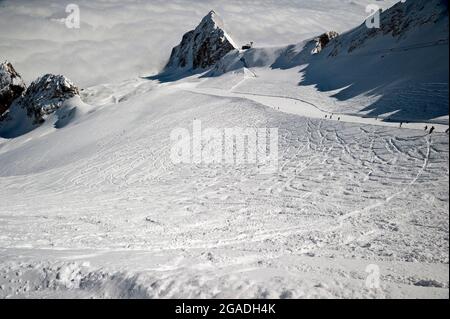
(122, 39)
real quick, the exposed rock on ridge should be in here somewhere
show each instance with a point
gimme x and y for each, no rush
(203, 47)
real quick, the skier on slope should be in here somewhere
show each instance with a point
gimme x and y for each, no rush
(432, 129)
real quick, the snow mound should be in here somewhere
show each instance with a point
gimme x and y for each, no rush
(11, 86)
(203, 47)
(245, 59)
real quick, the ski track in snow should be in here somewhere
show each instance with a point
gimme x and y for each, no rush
(115, 218)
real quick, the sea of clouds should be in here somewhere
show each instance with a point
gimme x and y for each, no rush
(121, 39)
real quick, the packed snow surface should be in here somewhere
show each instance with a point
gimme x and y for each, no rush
(97, 209)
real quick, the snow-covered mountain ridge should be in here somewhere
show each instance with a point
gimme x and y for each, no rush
(29, 107)
(398, 72)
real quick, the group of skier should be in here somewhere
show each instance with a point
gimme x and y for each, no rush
(430, 130)
(331, 117)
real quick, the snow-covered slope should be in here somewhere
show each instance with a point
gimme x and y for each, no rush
(404, 63)
(98, 209)
(203, 47)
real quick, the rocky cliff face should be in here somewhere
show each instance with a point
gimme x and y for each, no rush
(203, 47)
(11, 86)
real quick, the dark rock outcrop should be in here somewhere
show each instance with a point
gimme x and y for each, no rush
(203, 47)
(11, 86)
(47, 94)
(323, 40)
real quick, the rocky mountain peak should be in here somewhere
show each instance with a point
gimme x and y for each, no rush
(11, 86)
(202, 47)
(212, 19)
(47, 94)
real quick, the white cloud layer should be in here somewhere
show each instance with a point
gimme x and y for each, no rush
(124, 39)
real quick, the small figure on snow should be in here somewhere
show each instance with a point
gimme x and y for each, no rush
(432, 129)
(426, 128)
